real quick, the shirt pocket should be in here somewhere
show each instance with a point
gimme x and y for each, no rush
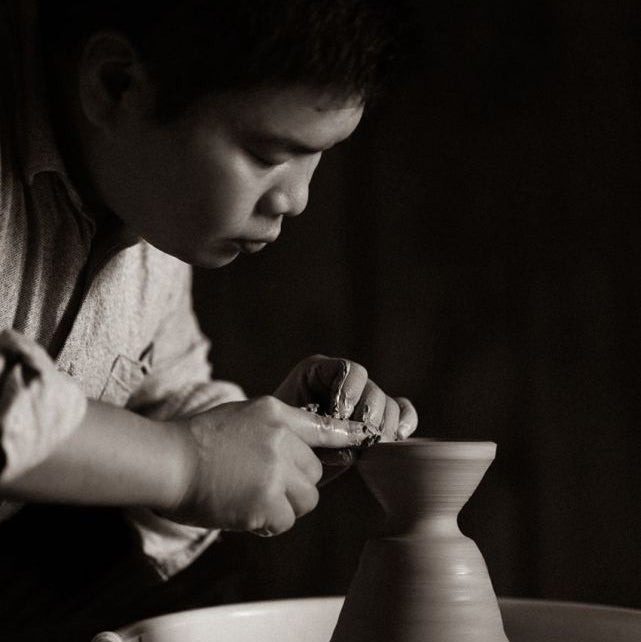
(125, 376)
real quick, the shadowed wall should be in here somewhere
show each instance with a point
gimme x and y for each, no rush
(476, 246)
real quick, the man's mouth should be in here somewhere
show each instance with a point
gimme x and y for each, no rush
(251, 247)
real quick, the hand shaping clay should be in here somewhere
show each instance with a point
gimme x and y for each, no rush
(423, 581)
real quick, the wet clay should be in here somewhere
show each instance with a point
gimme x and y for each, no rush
(339, 460)
(423, 580)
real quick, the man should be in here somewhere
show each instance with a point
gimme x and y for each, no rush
(138, 138)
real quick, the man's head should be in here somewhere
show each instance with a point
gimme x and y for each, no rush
(200, 123)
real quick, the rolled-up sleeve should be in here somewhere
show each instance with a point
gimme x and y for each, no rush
(179, 384)
(39, 406)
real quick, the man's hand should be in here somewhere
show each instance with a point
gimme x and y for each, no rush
(241, 466)
(342, 389)
(253, 466)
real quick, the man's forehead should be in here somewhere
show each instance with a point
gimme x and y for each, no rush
(326, 101)
(297, 113)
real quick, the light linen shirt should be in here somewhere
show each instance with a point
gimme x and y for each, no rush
(87, 311)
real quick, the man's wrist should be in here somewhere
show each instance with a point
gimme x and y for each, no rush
(181, 468)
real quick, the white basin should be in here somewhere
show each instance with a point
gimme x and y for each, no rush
(313, 620)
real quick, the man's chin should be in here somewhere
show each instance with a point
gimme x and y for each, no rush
(212, 264)
(212, 259)
(204, 257)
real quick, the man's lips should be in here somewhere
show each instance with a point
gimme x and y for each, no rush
(251, 246)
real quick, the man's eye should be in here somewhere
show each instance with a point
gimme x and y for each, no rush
(264, 161)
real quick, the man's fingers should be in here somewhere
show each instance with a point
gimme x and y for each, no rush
(307, 462)
(327, 432)
(320, 372)
(390, 420)
(408, 419)
(347, 388)
(302, 496)
(371, 407)
(279, 519)
(340, 381)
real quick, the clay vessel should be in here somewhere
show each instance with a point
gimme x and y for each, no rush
(423, 580)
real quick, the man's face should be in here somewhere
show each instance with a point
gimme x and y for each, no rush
(220, 180)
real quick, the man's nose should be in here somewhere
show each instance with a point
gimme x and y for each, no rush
(285, 200)
(289, 195)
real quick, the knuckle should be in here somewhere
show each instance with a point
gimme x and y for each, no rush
(393, 405)
(268, 497)
(307, 502)
(259, 402)
(270, 476)
(377, 393)
(405, 404)
(266, 484)
(280, 520)
(374, 403)
(268, 405)
(310, 363)
(252, 514)
(284, 524)
(316, 470)
(408, 410)
(312, 499)
(313, 469)
(274, 489)
(390, 421)
(253, 522)
(277, 436)
(359, 370)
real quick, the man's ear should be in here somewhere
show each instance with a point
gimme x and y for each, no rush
(112, 80)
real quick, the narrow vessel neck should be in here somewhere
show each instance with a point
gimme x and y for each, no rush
(443, 523)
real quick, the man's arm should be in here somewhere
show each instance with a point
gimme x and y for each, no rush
(164, 461)
(59, 448)
(237, 465)
(114, 457)
(242, 466)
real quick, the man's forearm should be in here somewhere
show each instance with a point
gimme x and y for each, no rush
(114, 458)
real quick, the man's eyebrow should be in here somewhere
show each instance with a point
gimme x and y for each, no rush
(287, 144)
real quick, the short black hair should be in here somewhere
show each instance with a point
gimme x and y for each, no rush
(196, 47)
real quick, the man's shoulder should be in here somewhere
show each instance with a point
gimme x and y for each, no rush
(164, 279)
(162, 263)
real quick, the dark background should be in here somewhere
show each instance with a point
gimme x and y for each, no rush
(476, 246)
